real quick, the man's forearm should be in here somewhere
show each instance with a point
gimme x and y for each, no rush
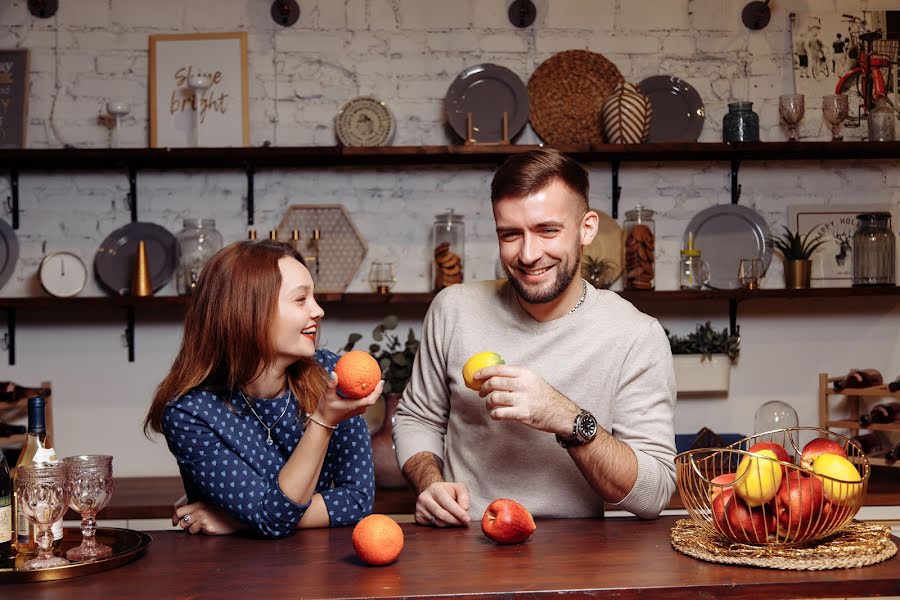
(608, 464)
(423, 469)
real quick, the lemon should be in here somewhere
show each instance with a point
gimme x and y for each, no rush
(475, 364)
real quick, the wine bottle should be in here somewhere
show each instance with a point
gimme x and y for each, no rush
(892, 455)
(871, 444)
(6, 522)
(859, 378)
(11, 392)
(37, 449)
(882, 413)
(7, 430)
(894, 385)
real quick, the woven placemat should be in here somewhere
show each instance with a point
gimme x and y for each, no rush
(857, 545)
(566, 93)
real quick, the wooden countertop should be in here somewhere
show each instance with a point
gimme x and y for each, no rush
(154, 497)
(599, 558)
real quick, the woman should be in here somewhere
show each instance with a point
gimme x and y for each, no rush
(263, 441)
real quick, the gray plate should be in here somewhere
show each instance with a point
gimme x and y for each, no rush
(678, 111)
(725, 234)
(115, 259)
(9, 252)
(487, 91)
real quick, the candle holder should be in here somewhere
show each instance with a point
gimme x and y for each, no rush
(117, 110)
(198, 84)
(382, 276)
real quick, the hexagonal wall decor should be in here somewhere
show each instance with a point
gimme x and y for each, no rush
(333, 258)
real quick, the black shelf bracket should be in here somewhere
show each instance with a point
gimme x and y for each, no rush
(132, 192)
(735, 186)
(251, 204)
(732, 317)
(616, 189)
(14, 197)
(11, 334)
(129, 331)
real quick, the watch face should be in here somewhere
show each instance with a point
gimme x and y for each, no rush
(63, 274)
(587, 426)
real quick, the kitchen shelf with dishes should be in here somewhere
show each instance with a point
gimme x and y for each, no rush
(854, 397)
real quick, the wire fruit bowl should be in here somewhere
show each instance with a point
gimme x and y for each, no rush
(755, 499)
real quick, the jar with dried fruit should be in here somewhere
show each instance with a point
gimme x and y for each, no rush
(640, 249)
(448, 238)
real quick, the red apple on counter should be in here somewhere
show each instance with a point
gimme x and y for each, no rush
(780, 453)
(507, 522)
(799, 504)
(816, 448)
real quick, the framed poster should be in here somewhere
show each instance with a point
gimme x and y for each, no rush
(13, 98)
(198, 90)
(832, 264)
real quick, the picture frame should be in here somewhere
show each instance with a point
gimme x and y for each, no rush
(223, 108)
(832, 263)
(14, 88)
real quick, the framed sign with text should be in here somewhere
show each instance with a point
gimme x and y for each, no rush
(13, 97)
(198, 90)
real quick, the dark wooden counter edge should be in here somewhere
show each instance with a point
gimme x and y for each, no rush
(155, 497)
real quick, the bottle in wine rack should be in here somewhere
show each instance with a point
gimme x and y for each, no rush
(7, 430)
(859, 378)
(888, 412)
(871, 444)
(892, 455)
(11, 392)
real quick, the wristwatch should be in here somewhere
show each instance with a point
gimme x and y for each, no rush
(584, 429)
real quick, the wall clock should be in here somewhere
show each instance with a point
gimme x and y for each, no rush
(63, 274)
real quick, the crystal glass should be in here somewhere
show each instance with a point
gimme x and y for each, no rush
(43, 492)
(835, 108)
(382, 276)
(791, 107)
(91, 487)
(750, 271)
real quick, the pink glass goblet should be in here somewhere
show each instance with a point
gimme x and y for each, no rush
(43, 491)
(91, 483)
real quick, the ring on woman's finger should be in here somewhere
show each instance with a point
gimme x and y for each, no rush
(186, 519)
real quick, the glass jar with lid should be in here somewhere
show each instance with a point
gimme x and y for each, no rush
(640, 249)
(740, 123)
(198, 241)
(448, 237)
(881, 121)
(693, 271)
(873, 250)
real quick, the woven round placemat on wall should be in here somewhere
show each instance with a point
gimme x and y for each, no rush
(857, 545)
(565, 96)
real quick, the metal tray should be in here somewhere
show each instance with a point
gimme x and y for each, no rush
(127, 545)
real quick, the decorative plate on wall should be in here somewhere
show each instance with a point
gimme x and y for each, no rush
(9, 252)
(364, 121)
(678, 112)
(115, 259)
(487, 91)
(608, 245)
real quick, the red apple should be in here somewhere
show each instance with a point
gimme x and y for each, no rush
(780, 453)
(719, 484)
(507, 522)
(816, 448)
(748, 525)
(720, 521)
(799, 504)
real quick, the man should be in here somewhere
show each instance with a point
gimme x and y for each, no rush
(584, 370)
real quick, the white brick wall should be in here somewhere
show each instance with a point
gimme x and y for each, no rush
(407, 52)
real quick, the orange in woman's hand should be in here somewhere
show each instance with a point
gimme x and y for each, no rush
(358, 373)
(377, 540)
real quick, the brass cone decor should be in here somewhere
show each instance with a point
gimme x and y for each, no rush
(797, 274)
(141, 285)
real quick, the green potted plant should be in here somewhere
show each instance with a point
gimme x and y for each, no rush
(597, 271)
(703, 359)
(797, 251)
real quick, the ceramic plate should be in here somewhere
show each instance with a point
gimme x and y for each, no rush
(115, 259)
(364, 121)
(677, 109)
(725, 234)
(9, 251)
(608, 244)
(487, 91)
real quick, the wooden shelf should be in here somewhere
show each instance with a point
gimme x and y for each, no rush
(847, 424)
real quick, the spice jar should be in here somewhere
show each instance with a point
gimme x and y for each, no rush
(873, 250)
(197, 243)
(881, 121)
(448, 241)
(640, 242)
(740, 123)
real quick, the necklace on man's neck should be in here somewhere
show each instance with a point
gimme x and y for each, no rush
(583, 296)
(269, 440)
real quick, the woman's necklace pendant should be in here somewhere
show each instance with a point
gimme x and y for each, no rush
(269, 440)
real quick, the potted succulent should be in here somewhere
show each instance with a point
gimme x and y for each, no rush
(797, 251)
(597, 271)
(703, 359)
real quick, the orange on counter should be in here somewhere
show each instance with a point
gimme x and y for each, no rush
(477, 362)
(377, 540)
(358, 373)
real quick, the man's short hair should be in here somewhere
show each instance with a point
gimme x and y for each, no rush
(523, 174)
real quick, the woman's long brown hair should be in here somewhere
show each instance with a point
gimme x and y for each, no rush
(228, 334)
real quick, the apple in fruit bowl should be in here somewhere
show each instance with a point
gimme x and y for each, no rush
(780, 453)
(734, 519)
(816, 448)
(842, 483)
(799, 504)
(758, 478)
(507, 522)
(720, 484)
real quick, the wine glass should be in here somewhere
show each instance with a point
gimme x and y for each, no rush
(835, 108)
(750, 271)
(91, 485)
(791, 107)
(198, 84)
(382, 276)
(43, 491)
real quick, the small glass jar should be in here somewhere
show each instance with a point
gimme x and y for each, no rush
(448, 237)
(640, 249)
(881, 121)
(693, 272)
(740, 123)
(197, 243)
(873, 250)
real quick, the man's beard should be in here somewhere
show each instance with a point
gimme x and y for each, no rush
(564, 277)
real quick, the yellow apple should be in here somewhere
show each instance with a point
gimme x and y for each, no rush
(842, 483)
(757, 479)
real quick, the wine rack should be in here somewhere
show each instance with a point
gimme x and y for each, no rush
(850, 422)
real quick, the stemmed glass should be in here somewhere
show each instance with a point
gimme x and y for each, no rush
(791, 107)
(750, 271)
(117, 110)
(198, 84)
(835, 108)
(382, 276)
(91, 484)
(43, 491)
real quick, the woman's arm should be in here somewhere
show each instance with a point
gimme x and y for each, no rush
(350, 493)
